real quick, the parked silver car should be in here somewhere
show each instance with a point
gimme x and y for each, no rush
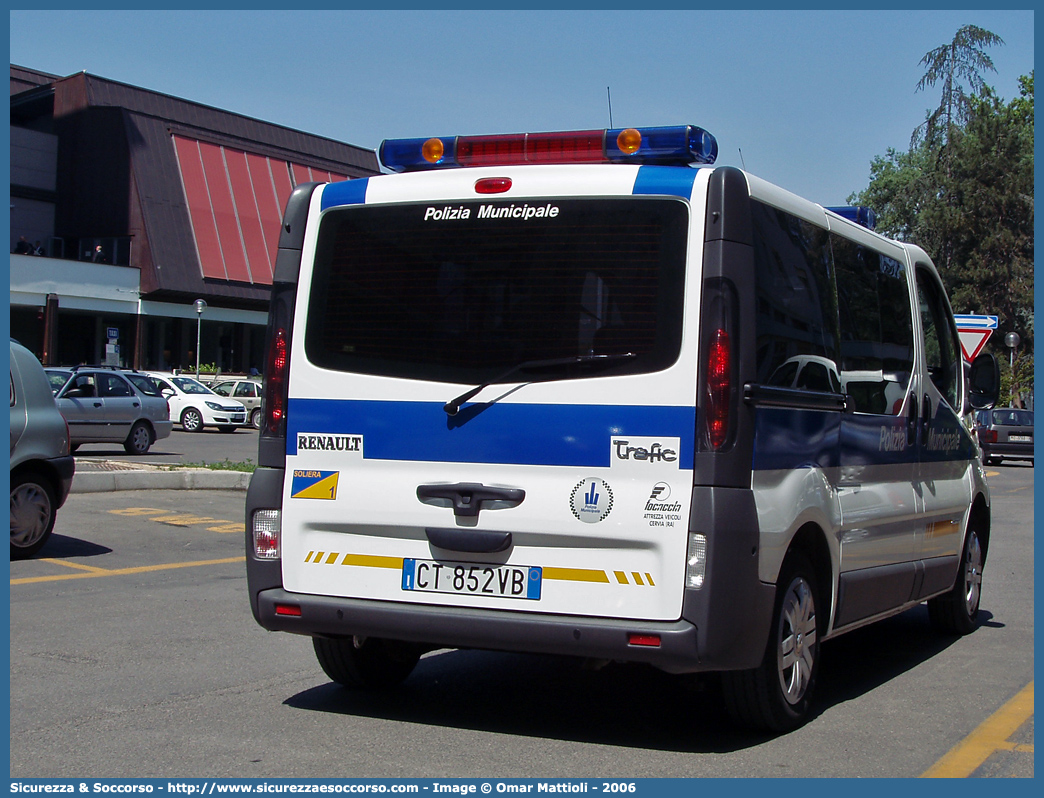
(245, 390)
(42, 466)
(110, 405)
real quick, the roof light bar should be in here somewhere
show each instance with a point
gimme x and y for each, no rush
(860, 214)
(679, 144)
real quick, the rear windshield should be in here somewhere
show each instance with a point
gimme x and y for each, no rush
(1013, 418)
(463, 292)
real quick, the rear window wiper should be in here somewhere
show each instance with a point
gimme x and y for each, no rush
(453, 406)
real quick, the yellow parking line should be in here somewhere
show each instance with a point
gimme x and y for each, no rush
(991, 735)
(80, 566)
(141, 569)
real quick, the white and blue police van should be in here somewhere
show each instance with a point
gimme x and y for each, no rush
(589, 394)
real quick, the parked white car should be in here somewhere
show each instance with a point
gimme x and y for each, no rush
(195, 406)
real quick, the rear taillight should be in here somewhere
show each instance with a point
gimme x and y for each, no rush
(719, 389)
(267, 525)
(990, 436)
(275, 382)
(720, 351)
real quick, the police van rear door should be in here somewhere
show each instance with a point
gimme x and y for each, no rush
(491, 400)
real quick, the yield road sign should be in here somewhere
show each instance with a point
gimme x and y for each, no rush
(974, 331)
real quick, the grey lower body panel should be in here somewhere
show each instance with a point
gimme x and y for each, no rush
(461, 627)
(871, 592)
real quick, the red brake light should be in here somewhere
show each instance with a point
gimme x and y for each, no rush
(719, 389)
(492, 185)
(275, 382)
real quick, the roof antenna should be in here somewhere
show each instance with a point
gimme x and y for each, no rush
(741, 158)
(610, 98)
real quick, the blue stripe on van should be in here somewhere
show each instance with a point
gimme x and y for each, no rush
(345, 192)
(788, 439)
(522, 434)
(669, 180)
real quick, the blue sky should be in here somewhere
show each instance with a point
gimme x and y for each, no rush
(808, 97)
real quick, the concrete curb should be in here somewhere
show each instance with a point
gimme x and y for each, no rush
(180, 479)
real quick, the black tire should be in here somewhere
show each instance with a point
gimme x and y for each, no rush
(957, 612)
(255, 418)
(33, 512)
(776, 696)
(139, 440)
(192, 420)
(366, 662)
(227, 428)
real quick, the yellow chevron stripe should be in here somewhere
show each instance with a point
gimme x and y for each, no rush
(372, 561)
(575, 575)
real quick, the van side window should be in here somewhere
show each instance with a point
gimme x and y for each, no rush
(940, 347)
(796, 313)
(876, 327)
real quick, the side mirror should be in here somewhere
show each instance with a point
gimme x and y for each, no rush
(983, 382)
(167, 393)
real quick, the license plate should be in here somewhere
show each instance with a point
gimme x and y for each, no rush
(1020, 439)
(472, 579)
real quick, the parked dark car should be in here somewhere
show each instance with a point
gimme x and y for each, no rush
(1005, 433)
(41, 465)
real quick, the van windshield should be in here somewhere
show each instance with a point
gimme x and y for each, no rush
(464, 292)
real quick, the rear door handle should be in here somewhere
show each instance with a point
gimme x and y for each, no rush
(467, 498)
(469, 540)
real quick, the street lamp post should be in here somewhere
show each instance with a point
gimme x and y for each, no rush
(1012, 340)
(200, 307)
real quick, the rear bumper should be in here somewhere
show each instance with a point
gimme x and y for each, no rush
(458, 627)
(1015, 451)
(65, 468)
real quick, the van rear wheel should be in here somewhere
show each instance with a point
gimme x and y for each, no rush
(366, 662)
(777, 694)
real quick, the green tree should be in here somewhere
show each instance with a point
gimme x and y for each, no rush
(961, 61)
(990, 192)
(968, 201)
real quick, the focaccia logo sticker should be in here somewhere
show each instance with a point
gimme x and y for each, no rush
(592, 500)
(659, 511)
(314, 485)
